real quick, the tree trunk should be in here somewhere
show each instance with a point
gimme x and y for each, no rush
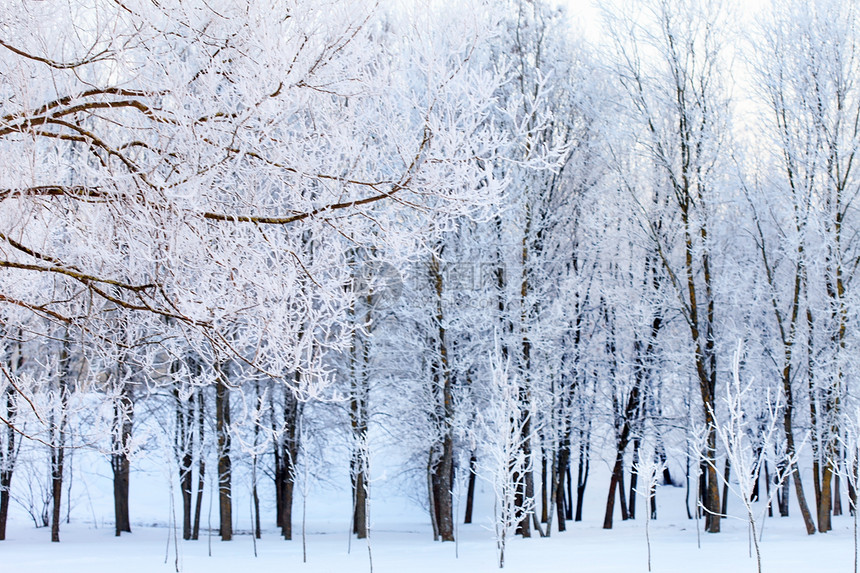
(852, 491)
(359, 520)
(664, 460)
(184, 432)
(712, 500)
(5, 484)
(524, 492)
(634, 480)
(783, 494)
(687, 484)
(121, 467)
(442, 469)
(358, 467)
(581, 480)
(824, 508)
(289, 486)
(358, 408)
(222, 427)
(431, 495)
(201, 469)
(767, 490)
(7, 459)
(255, 496)
(562, 471)
(544, 498)
(57, 456)
(614, 481)
(258, 531)
(288, 459)
(754, 495)
(58, 424)
(795, 473)
(470, 490)
(837, 496)
(358, 464)
(442, 485)
(123, 419)
(553, 488)
(9, 451)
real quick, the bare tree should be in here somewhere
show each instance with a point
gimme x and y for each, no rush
(669, 62)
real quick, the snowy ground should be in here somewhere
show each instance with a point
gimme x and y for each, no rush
(401, 539)
(407, 548)
(401, 542)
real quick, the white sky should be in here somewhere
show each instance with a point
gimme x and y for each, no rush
(585, 14)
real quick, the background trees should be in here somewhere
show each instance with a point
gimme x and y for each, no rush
(670, 65)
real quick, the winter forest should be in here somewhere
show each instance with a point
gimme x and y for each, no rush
(339, 278)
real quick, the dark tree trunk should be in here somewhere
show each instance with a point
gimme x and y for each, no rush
(358, 417)
(837, 496)
(767, 490)
(544, 498)
(186, 483)
(687, 483)
(359, 519)
(201, 469)
(123, 420)
(184, 431)
(525, 493)
(783, 494)
(184, 446)
(795, 475)
(755, 491)
(289, 486)
(57, 457)
(121, 467)
(634, 480)
(711, 501)
(726, 474)
(581, 479)
(255, 497)
(5, 483)
(568, 509)
(258, 531)
(522, 482)
(222, 427)
(470, 490)
(530, 496)
(58, 424)
(614, 480)
(278, 459)
(7, 460)
(852, 491)
(664, 459)
(622, 500)
(58, 452)
(825, 507)
(562, 470)
(358, 463)
(442, 453)
(286, 459)
(441, 482)
(816, 475)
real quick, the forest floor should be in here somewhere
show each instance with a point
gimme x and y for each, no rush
(407, 547)
(401, 538)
